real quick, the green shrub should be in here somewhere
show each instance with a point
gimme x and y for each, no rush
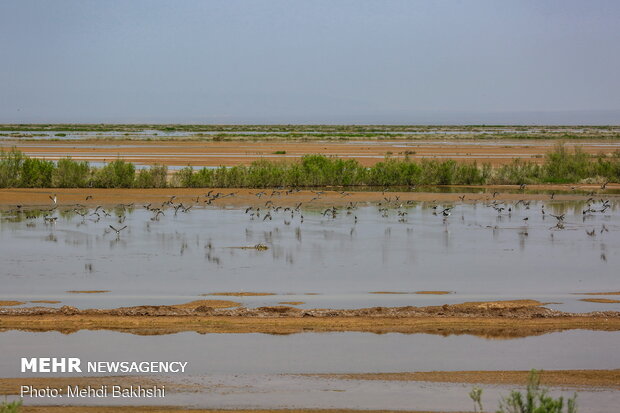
(10, 168)
(36, 173)
(117, 174)
(536, 400)
(71, 174)
(12, 407)
(154, 177)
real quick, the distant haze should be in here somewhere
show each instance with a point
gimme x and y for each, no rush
(333, 61)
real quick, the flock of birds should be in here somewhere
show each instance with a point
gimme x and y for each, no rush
(269, 209)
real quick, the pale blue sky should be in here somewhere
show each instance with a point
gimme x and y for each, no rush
(328, 61)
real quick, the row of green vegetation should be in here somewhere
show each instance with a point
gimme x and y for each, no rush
(559, 166)
(20, 171)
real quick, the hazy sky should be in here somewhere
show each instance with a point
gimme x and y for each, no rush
(310, 61)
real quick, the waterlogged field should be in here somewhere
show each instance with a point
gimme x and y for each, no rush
(349, 260)
(350, 255)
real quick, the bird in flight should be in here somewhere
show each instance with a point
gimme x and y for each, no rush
(118, 231)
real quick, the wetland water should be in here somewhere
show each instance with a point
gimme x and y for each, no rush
(258, 370)
(475, 253)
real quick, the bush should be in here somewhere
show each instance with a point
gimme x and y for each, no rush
(535, 400)
(71, 174)
(10, 168)
(154, 177)
(117, 174)
(12, 407)
(36, 173)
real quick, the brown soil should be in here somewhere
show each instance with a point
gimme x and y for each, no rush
(208, 303)
(292, 302)
(69, 197)
(88, 291)
(244, 152)
(433, 292)
(603, 293)
(45, 302)
(499, 319)
(600, 300)
(10, 303)
(558, 378)
(240, 294)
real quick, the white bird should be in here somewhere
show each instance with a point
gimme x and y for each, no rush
(54, 199)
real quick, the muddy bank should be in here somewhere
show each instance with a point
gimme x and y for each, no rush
(172, 409)
(497, 319)
(92, 197)
(9, 303)
(557, 378)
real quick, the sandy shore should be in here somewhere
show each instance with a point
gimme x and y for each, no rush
(497, 319)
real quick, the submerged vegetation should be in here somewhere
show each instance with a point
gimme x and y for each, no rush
(559, 166)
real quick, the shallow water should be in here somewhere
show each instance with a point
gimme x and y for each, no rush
(152, 133)
(474, 253)
(348, 352)
(254, 370)
(283, 391)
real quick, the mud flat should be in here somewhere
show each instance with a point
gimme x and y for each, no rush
(558, 378)
(172, 409)
(9, 303)
(240, 152)
(39, 197)
(498, 319)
